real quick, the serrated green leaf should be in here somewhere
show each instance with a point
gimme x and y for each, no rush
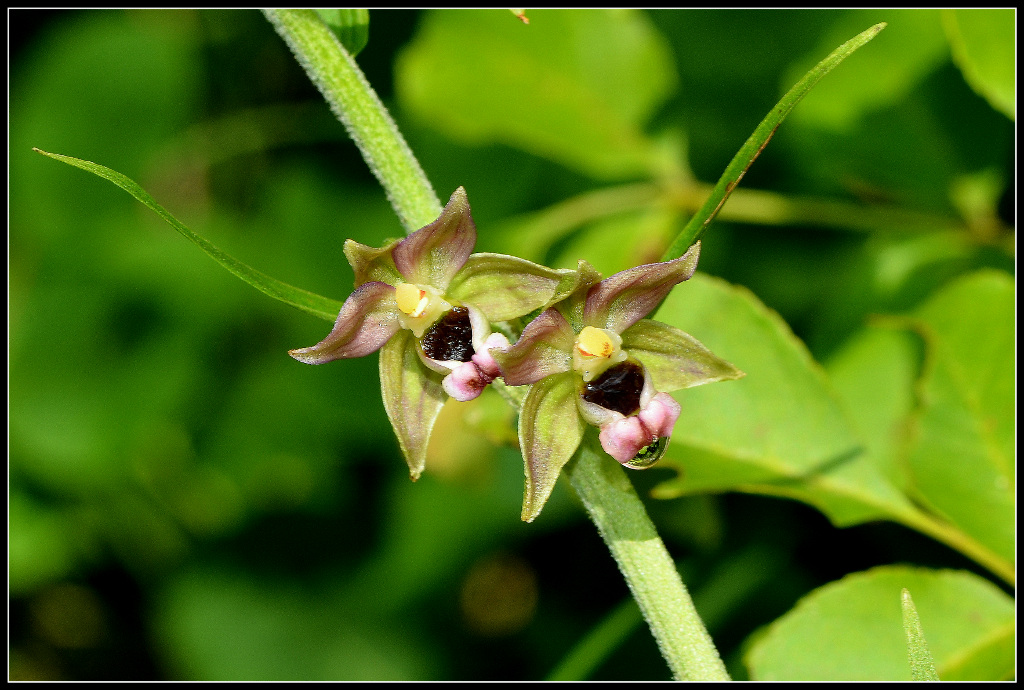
(852, 629)
(577, 86)
(350, 25)
(780, 430)
(962, 456)
(323, 307)
(983, 42)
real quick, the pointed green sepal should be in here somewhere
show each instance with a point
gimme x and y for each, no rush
(505, 287)
(550, 430)
(372, 264)
(675, 359)
(412, 396)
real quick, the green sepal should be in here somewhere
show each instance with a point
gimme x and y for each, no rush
(505, 287)
(674, 358)
(371, 263)
(550, 430)
(412, 396)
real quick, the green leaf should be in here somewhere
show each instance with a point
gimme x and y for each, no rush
(922, 667)
(874, 375)
(962, 456)
(983, 44)
(576, 86)
(912, 47)
(301, 299)
(852, 629)
(752, 148)
(780, 430)
(351, 26)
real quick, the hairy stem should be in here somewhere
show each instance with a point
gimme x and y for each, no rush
(622, 521)
(356, 104)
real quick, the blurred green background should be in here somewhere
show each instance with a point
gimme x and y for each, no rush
(188, 502)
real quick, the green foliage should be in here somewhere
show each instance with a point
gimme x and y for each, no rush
(241, 516)
(351, 26)
(577, 86)
(852, 629)
(983, 43)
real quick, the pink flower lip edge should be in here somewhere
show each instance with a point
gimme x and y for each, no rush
(624, 438)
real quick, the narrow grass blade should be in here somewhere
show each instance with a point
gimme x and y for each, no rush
(312, 303)
(921, 665)
(749, 152)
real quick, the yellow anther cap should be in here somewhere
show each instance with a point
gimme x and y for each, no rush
(411, 299)
(595, 342)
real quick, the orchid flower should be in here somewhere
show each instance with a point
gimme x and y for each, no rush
(428, 304)
(594, 359)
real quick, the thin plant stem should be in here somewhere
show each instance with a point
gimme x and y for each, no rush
(621, 519)
(356, 104)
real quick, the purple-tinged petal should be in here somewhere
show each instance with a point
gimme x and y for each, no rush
(673, 358)
(435, 253)
(372, 264)
(550, 431)
(544, 348)
(619, 301)
(412, 396)
(506, 287)
(367, 320)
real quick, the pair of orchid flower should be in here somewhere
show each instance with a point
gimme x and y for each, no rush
(590, 357)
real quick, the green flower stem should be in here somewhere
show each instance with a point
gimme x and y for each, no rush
(750, 150)
(356, 104)
(622, 521)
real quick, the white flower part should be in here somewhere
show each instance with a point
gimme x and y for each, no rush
(419, 306)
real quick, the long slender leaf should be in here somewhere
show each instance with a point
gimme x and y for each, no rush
(317, 305)
(922, 667)
(749, 152)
